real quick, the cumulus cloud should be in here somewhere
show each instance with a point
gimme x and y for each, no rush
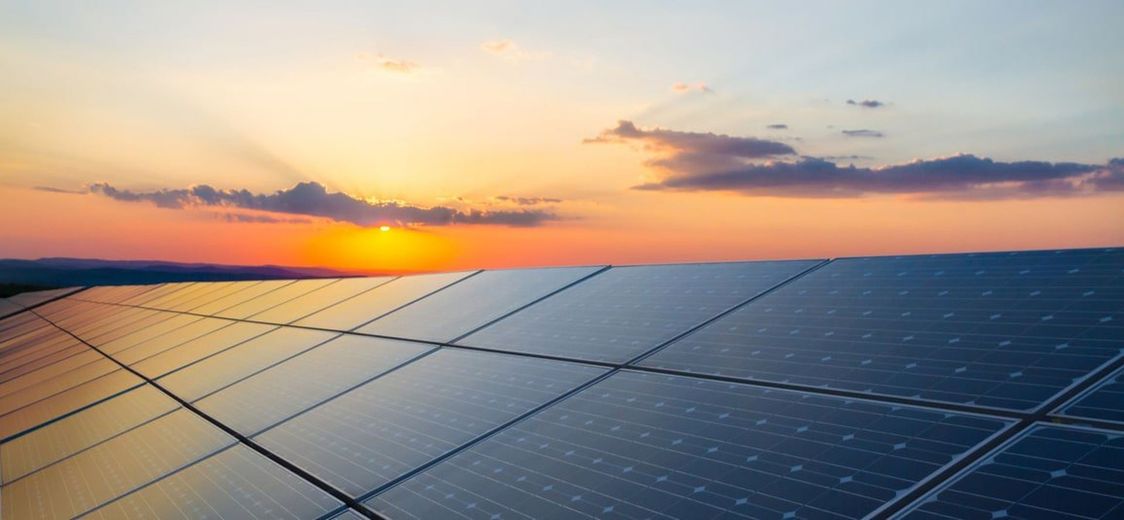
(313, 199)
(867, 103)
(690, 161)
(683, 88)
(863, 133)
(510, 51)
(390, 65)
(777, 126)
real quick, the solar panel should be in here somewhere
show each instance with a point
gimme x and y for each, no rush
(1050, 472)
(207, 345)
(7, 307)
(626, 311)
(1003, 330)
(246, 291)
(267, 398)
(33, 298)
(112, 468)
(369, 305)
(640, 445)
(236, 483)
(477, 300)
(383, 429)
(74, 433)
(52, 384)
(302, 306)
(273, 298)
(206, 375)
(67, 401)
(1104, 402)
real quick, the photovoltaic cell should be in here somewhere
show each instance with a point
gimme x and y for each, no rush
(79, 431)
(369, 305)
(199, 348)
(47, 387)
(1104, 402)
(306, 380)
(273, 298)
(66, 402)
(461, 308)
(1049, 472)
(104, 472)
(999, 330)
(626, 311)
(170, 339)
(302, 306)
(639, 445)
(383, 429)
(223, 368)
(249, 291)
(235, 483)
(31, 299)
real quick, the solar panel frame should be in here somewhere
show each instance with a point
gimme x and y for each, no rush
(1083, 406)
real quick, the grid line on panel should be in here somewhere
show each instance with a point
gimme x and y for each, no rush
(426, 295)
(324, 486)
(22, 308)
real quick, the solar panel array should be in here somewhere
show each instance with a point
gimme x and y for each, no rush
(941, 386)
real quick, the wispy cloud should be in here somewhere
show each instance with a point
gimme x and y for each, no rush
(528, 201)
(313, 200)
(389, 65)
(867, 103)
(511, 51)
(691, 161)
(864, 133)
(777, 126)
(684, 88)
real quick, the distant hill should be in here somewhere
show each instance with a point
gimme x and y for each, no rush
(65, 272)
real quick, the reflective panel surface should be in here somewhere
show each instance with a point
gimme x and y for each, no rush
(652, 446)
(314, 301)
(1104, 402)
(1000, 330)
(626, 311)
(199, 348)
(367, 306)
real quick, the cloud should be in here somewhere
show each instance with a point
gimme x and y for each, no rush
(510, 51)
(390, 65)
(690, 161)
(867, 103)
(693, 152)
(777, 126)
(313, 199)
(864, 133)
(51, 189)
(528, 201)
(683, 88)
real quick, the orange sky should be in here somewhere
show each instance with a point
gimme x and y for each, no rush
(762, 132)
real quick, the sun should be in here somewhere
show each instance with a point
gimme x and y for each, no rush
(384, 229)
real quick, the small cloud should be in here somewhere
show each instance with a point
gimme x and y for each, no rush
(864, 133)
(528, 201)
(50, 189)
(311, 199)
(867, 103)
(777, 126)
(510, 51)
(683, 88)
(390, 65)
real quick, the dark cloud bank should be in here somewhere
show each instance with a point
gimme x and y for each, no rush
(691, 161)
(313, 199)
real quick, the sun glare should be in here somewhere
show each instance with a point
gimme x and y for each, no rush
(384, 229)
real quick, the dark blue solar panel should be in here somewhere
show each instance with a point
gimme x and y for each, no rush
(626, 311)
(641, 445)
(1003, 330)
(1050, 472)
(1104, 402)
(408, 417)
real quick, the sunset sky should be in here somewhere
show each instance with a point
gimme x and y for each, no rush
(497, 134)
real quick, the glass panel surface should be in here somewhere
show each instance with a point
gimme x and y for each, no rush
(60, 383)
(170, 324)
(272, 298)
(640, 445)
(1104, 402)
(461, 308)
(1050, 472)
(173, 338)
(31, 299)
(226, 367)
(252, 291)
(77, 432)
(367, 306)
(370, 435)
(320, 298)
(199, 348)
(626, 311)
(65, 402)
(306, 380)
(40, 357)
(1000, 330)
(228, 290)
(51, 371)
(236, 483)
(110, 469)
